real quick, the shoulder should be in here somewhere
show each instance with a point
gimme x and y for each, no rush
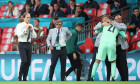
(45, 5)
(51, 30)
(64, 28)
(16, 8)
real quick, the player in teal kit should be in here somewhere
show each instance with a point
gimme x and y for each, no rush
(107, 47)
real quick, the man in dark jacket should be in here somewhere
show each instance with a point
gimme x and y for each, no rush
(41, 8)
(56, 11)
(71, 8)
(91, 4)
(135, 21)
(61, 3)
(28, 9)
(80, 13)
(72, 53)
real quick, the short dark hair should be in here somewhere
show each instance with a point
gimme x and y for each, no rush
(57, 4)
(10, 2)
(37, 20)
(135, 8)
(28, 4)
(55, 17)
(73, 0)
(80, 24)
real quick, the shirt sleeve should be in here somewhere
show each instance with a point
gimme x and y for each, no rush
(49, 38)
(122, 33)
(98, 26)
(120, 26)
(99, 30)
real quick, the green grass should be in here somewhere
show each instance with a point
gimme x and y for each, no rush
(70, 82)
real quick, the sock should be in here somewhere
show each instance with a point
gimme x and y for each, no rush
(94, 69)
(113, 69)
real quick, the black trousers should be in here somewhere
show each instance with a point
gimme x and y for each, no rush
(75, 64)
(92, 62)
(25, 49)
(55, 55)
(121, 63)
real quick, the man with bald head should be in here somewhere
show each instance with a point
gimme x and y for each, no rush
(121, 47)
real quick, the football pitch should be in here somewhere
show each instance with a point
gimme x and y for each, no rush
(70, 82)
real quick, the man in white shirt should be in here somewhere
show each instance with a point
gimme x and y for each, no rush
(24, 32)
(56, 41)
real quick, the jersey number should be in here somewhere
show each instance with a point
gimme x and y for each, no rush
(111, 28)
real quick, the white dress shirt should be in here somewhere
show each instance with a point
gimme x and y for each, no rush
(21, 32)
(62, 42)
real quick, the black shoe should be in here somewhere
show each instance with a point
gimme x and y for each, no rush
(50, 79)
(19, 79)
(24, 80)
(113, 79)
(91, 79)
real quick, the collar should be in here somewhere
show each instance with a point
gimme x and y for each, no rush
(76, 30)
(60, 30)
(24, 23)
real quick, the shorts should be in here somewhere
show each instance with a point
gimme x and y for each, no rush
(106, 49)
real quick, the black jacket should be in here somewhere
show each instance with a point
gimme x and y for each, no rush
(44, 9)
(70, 11)
(83, 14)
(62, 3)
(31, 13)
(135, 20)
(93, 4)
(59, 13)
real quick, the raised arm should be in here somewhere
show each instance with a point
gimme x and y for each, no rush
(120, 26)
(98, 26)
(122, 33)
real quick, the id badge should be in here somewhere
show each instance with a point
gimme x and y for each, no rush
(58, 47)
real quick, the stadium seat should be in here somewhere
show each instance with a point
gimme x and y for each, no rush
(104, 6)
(80, 4)
(15, 17)
(0, 34)
(6, 41)
(44, 16)
(63, 9)
(3, 17)
(138, 45)
(7, 35)
(4, 7)
(88, 46)
(102, 12)
(70, 15)
(3, 13)
(6, 47)
(133, 46)
(8, 29)
(44, 29)
(20, 6)
(91, 12)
